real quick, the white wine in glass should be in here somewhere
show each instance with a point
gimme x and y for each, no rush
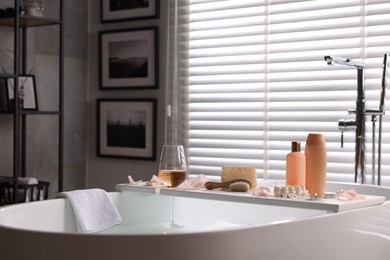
(172, 168)
(172, 172)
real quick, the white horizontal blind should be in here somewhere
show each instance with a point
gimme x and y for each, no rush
(257, 80)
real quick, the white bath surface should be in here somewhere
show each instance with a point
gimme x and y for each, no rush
(163, 229)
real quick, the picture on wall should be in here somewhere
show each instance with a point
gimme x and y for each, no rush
(129, 59)
(126, 128)
(3, 95)
(27, 93)
(125, 10)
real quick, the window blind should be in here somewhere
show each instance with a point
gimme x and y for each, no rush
(255, 80)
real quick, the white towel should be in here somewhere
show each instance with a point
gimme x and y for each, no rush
(27, 180)
(25, 197)
(93, 209)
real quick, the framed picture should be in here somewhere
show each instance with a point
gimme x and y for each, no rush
(125, 10)
(27, 93)
(3, 95)
(129, 59)
(126, 128)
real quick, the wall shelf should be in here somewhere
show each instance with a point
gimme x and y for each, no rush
(29, 21)
(33, 112)
(6, 76)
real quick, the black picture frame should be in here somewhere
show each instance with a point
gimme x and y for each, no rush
(126, 128)
(3, 95)
(128, 59)
(128, 10)
(28, 86)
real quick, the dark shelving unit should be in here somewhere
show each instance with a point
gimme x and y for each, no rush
(21, 23)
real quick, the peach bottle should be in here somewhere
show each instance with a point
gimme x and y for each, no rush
(315, 152)
(296, 165)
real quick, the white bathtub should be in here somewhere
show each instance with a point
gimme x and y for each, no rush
(214, 228)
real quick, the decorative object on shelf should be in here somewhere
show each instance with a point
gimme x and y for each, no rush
(33, 8)
(8, 12)
(125, 10)
(128, 58)
(27, 93)
(126, 128)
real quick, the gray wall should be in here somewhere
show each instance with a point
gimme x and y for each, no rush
(82, 167)
(42, 145)
(106, 172)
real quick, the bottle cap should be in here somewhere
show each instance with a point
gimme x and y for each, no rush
(296, 146)
(315, 139)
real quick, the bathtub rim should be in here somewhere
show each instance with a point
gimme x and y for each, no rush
(230, 230)
(117, 193)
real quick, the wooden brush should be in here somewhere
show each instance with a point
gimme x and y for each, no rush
(235, 184)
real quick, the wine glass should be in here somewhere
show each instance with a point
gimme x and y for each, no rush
(172, 169)
(172, 172)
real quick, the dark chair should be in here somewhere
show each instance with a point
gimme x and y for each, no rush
(25, 192)
(6, 195)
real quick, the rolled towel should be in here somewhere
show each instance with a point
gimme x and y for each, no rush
(27, 180)
(25, 194)
(93, 209)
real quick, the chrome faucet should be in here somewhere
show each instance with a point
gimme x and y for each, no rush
(360, 120)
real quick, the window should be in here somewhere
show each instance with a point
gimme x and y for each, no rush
(257, 80)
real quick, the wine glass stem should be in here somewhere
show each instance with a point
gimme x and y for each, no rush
(172, 211)
(172, 223)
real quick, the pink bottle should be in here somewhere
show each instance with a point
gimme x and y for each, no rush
(296, 165)
(315, 152)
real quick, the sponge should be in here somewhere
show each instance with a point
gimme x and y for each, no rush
(240, 172)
